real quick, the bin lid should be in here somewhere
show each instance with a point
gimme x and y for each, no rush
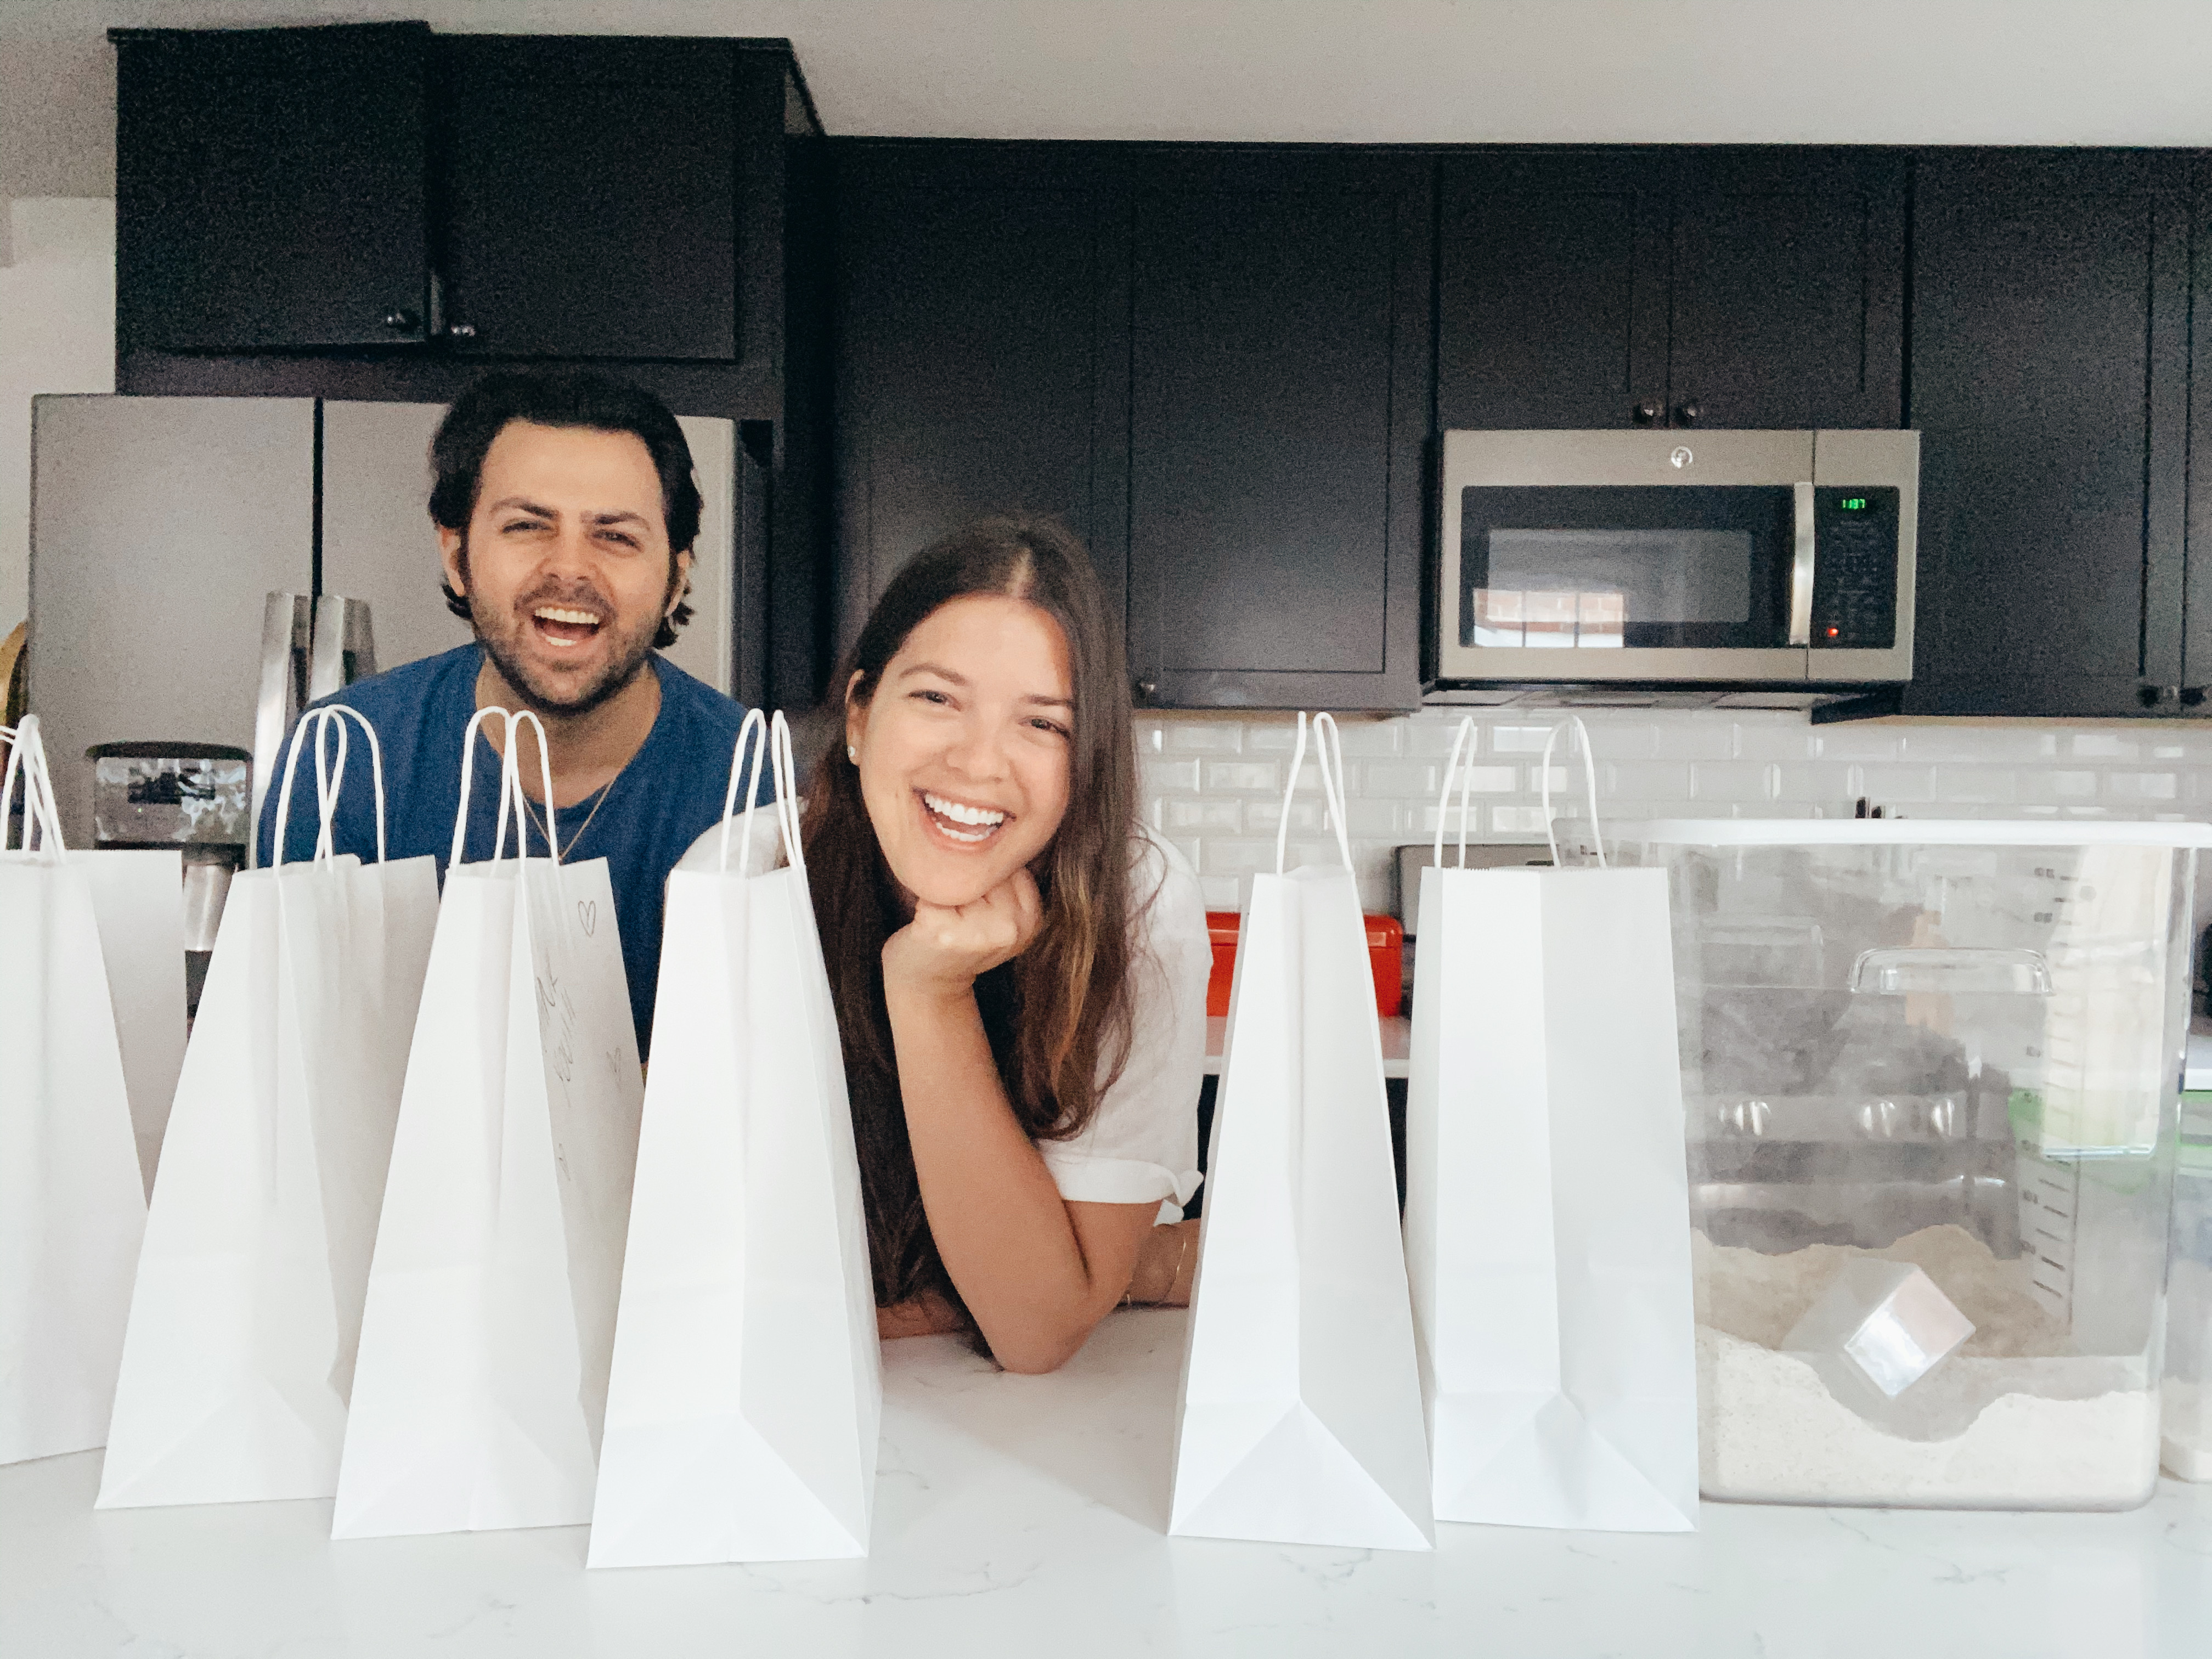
(1911, 832)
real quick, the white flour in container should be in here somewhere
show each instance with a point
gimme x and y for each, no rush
(2010, 1421)
(2188, 1445)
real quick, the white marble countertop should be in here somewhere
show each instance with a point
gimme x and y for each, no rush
(1025, 1515)
(1397, 1043)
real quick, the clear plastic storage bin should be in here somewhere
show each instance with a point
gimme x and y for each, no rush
(2188, 1448)
(1930, 1071)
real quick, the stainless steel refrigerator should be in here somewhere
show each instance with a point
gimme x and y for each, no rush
(199, 565)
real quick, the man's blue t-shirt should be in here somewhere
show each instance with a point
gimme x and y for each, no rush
(669, 793)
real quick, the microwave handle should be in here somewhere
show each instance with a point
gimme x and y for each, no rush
(1800, 569)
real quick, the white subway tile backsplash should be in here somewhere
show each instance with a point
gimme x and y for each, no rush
(1887, 784)
(1416, 778)
(2061, 786)
(1214, 782)
(2103, 745)
(1267, 815)
(1190, 738)
(1242, 774)
(1432, 739)
(1732, 780)
(1521, 739)
(1711, 739)
(1645, 780)
(1364, 739)
(1236, 857)
(1202, 816)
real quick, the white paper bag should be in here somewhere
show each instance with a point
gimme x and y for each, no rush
(481, 1383)
(138, 896)
(1548, 1225)
(747, 1389)
(246, 1311)
(72, 1206)
(1300, 1418)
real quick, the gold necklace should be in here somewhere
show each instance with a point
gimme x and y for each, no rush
(605, 789)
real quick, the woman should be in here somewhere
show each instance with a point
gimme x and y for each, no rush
(1019, 966)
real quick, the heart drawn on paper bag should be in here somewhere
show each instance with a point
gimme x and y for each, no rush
(587, 912)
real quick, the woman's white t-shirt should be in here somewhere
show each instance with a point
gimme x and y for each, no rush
(1141, 1144)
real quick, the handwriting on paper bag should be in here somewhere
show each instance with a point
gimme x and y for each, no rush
(553, 997)
(587, 912)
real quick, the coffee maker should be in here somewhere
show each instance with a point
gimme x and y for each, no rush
(195, 797)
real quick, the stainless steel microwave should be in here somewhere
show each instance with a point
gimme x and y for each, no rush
(1738, 558)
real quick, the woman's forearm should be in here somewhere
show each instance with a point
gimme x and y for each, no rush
(998, 1220)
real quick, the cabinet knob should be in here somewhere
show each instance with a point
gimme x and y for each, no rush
(401, 322)
(2150, 696)
(1647, 412)
(1685, 414)
(1146, 690)
(2192, 696)
(461, 331)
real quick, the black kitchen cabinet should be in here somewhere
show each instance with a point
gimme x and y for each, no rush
(506, 197)
(2049, 381)
(1731, 288)
(590, 197)
(1278, 414)
(2197, 571)
(982, 337)
(1210, 361)
(271, 186)
(658, 209)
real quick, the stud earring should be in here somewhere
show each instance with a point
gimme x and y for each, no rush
(852, 754)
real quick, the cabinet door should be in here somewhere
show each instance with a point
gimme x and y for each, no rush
(1280, 344)
(2050, 362)
(590, 197)
(1789, 289)
(1552, 290)
(270, 187)
(982, 353)
(2197, 605)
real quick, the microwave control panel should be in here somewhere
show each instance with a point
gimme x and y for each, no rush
(1855, 567)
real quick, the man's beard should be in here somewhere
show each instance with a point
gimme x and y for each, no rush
(625, 661)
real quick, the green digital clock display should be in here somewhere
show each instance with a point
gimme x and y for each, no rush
(1853, 504)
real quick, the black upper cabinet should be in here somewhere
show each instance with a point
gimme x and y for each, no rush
(1279, 352)
(2196, 595)
(1551, 292)
(982, 351)
(271, 187)
(590, 197)
(1789, 289)
(1729, 288)
(2050, 383)
(1211, 363)
(491, 196)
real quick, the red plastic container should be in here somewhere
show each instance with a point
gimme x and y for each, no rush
(1386, 955)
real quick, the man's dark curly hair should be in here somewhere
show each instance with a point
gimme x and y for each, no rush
(598, 402)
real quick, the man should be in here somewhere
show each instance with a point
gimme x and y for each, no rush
(566, 509)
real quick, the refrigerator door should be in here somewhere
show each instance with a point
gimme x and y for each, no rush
(380, 546)
(159, 525)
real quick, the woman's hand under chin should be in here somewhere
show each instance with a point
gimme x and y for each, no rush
(940, 954)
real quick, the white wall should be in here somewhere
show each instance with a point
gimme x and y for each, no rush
(57, 334)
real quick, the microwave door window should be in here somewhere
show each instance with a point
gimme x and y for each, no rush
(1595, 568)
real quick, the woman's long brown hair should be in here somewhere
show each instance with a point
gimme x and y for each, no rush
(1058, 1015)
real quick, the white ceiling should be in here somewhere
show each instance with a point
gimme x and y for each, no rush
(2055, 71)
